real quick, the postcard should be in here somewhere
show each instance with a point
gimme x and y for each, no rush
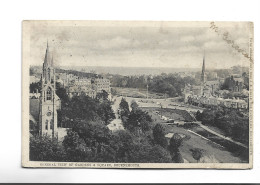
(137, 94)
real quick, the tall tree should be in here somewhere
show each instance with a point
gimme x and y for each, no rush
(159, 135)
(138, 121)
(124, 108)
(175, 143)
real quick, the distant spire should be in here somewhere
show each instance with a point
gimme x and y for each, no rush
(203, 69)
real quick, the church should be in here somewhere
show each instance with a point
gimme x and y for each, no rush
(205, 89)
(45, 103)
(49, 101)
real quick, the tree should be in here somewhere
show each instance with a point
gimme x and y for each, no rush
(89, 141)
(44, 148)
(92, 132)
(102, 96)
(106, 112)
(198, 115)
(138, 121)
(62, 94)
(134, 105)
(232, 122)
(122, 142)
(85, 108)
(76, 148)
(124, 108)
(196, 153)
(175, 143)
(34, 87)
(159, 135)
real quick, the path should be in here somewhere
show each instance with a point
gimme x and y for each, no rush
(221, 136)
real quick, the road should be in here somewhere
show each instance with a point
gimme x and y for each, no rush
(116, 124)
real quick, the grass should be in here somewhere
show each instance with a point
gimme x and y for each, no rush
(230, 152)
(236, 150)
(137, 93)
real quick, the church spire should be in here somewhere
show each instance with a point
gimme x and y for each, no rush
(47, 58)
(203, 70)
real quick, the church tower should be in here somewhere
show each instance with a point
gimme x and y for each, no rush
(203, 75)
(48, 112)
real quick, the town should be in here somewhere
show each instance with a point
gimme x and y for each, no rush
(184, 117)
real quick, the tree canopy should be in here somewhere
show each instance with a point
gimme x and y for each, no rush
(159, 135)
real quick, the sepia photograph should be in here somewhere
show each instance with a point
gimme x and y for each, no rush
(137, 94)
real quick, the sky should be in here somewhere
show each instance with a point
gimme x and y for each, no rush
(139, 44)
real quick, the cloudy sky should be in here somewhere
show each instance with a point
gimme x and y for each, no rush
(156, 44)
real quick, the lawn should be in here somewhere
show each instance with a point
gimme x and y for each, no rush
(209, 143)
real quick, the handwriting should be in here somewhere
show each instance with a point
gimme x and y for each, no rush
(229, 41)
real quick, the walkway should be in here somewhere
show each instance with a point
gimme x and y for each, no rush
(221, 136)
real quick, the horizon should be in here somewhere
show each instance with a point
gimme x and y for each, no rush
(193, 68)
(133, 71)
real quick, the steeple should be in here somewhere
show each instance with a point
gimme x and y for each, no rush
(203, 70)
(47, 59)
(48, 103)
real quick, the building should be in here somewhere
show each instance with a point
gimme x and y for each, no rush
(205, 94)
(82, 82)
(103, 84)
(235, 84)
(66, 79)
(216, 101)
(49, 101)
(213, 85)
(77, 90)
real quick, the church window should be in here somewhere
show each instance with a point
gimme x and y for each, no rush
(46, 125)
(49, 94)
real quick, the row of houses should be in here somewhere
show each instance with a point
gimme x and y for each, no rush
(217, 101)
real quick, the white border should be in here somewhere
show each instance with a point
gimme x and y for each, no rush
(13, 12)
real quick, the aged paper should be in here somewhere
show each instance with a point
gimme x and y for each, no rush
(137, 94)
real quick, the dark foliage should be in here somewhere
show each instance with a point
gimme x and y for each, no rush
(159, 135)
(233, 122)
(35, 87)
(170, 84)
(124, 108)
(44, 148)
(138, 121)
(85, 108)
(175, 143)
